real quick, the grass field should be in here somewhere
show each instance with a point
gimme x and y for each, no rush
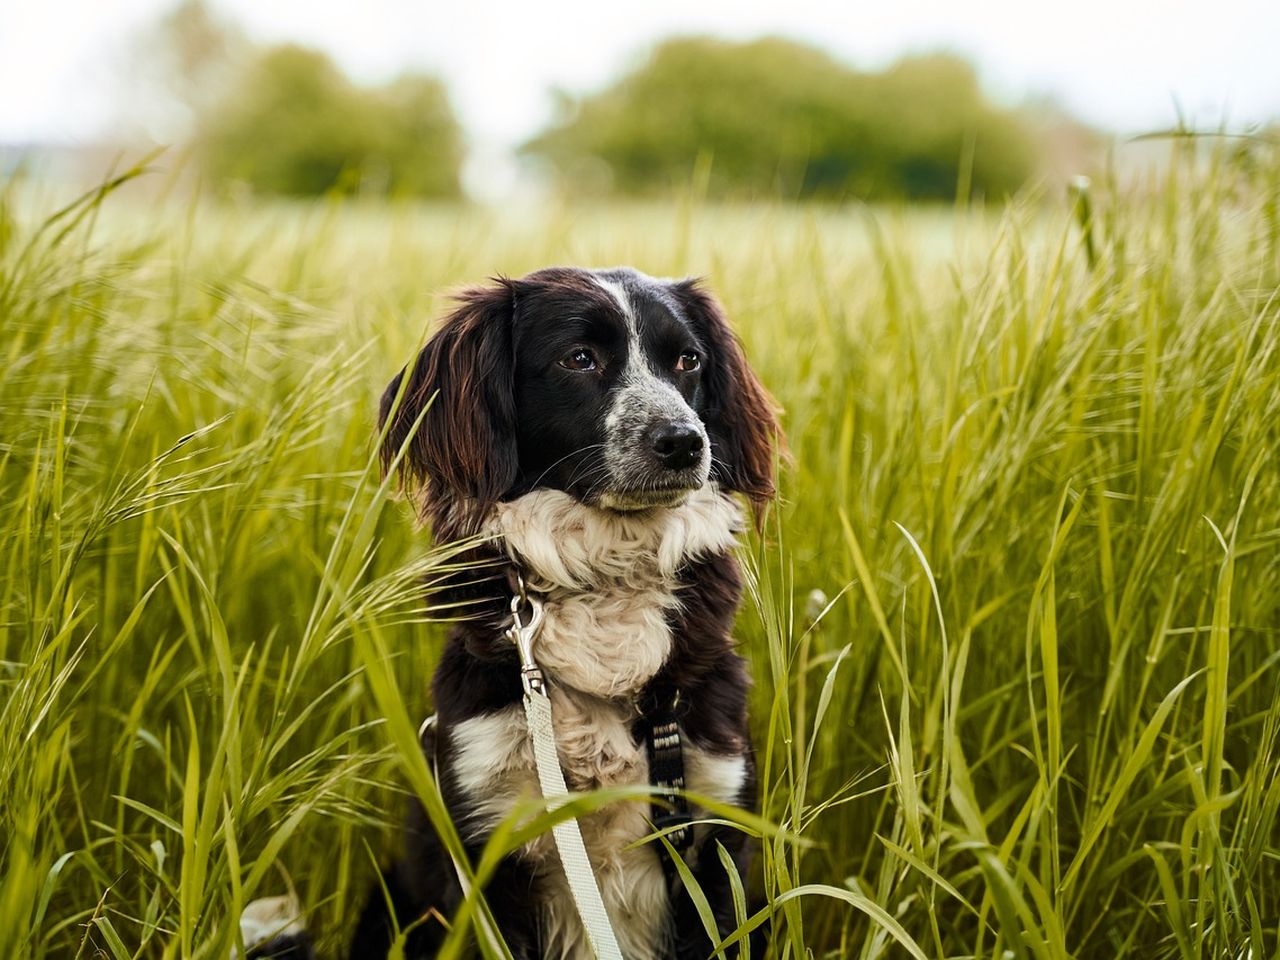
(1040, 718)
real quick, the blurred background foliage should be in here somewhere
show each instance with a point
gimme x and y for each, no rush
(285, 120)
(293, 124)
(768, 119)
(784, 119)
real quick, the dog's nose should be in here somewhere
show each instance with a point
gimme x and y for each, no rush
(677, 445)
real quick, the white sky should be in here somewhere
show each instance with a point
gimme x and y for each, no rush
(1120, 64)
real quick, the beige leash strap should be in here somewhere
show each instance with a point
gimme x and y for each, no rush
(537, 709)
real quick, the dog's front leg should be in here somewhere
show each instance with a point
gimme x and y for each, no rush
(709, 871)
(512, 900)
(420, 894)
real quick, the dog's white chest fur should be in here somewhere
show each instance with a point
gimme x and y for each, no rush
(609, 581)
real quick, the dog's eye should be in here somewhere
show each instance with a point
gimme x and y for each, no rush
(579, 359)
(688, 362)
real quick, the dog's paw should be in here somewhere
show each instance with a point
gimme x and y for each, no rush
(272, 929)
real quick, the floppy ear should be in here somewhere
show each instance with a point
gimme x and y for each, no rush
(741, 422)
(465, 445)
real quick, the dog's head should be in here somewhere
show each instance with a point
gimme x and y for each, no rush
(625, 391)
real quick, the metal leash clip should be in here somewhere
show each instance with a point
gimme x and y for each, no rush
(522, 634)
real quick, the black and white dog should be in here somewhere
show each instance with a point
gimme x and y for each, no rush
(595, 427)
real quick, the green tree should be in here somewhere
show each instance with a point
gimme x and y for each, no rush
(294, 124)
(422, 142)
(776, 117)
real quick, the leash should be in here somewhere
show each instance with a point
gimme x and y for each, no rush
(568, 838)
(669, 812)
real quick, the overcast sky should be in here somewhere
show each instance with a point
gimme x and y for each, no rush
(1121, 64)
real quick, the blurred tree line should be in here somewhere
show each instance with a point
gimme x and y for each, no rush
(768, 118)
(293, 124)
(775, 117)
(285, 120)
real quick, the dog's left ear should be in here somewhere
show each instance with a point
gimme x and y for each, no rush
(741, 421)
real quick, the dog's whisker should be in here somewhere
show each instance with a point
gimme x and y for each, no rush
(572, 453)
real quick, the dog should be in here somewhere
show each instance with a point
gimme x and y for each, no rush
(598, 432)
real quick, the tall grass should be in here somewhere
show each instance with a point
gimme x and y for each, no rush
(1035, 713)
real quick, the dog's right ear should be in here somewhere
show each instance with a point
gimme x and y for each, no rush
(461, 388)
